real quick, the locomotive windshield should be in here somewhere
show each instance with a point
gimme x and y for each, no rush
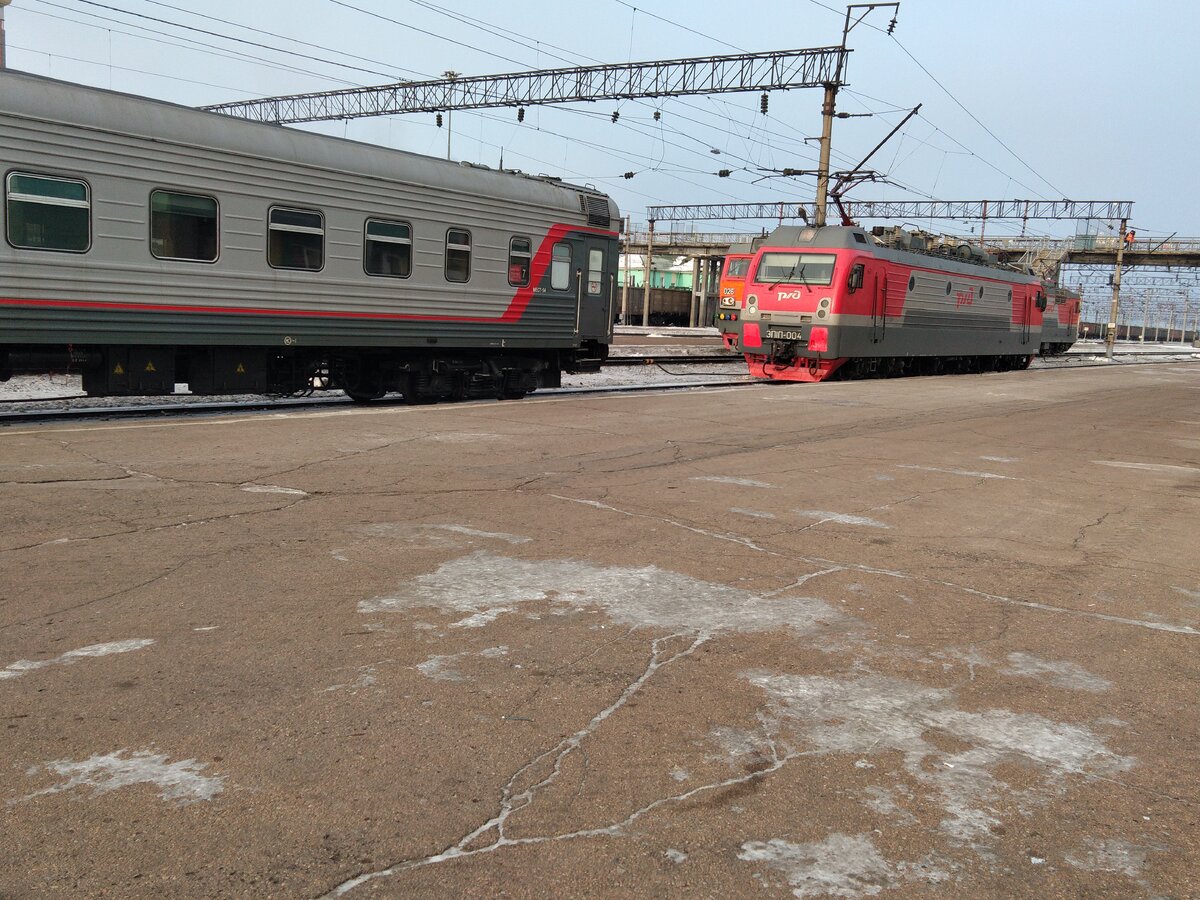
(738, 268)
(796, 268)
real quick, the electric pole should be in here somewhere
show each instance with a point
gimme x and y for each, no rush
(451, 75)
(829, 105)
(649, 266)
(1145, 314)
(1110, 339)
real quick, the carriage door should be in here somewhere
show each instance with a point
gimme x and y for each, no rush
(593, 315)
(878, 304)
(1026, 316)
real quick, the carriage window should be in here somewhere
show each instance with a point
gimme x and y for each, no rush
(796, 268)
(458, 255)
(387, 248)
(595, 270)
(183, 226)
(560, 267)
(296, 239)
(520, 253)
(46, 213)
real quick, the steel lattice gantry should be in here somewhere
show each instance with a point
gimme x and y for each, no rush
(776, 70)
(902, 209)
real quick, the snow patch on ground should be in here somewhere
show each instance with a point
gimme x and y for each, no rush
(964, 472)
(752, 513)
(839, 866)
(874, 714)
(1058, 672)
(483, 584)
(726, 479)
(272, 489)
(180, 781)
(823, 516)
(21, 666)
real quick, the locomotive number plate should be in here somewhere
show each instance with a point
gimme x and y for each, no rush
(781, 334)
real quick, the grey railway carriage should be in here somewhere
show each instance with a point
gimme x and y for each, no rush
(148, 244)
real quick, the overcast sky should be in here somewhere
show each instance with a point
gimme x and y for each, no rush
(1091, 100)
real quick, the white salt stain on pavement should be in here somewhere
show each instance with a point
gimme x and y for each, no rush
(180, 781)
(752, 513)
(272, 489)
(728, 479)
(367, 677)
(823, 516)
(1191, 595)
(675, 856)
(1058, 672)
(1149, 467)
(874, 714)
(1001, 459)
(21, 666)
(464, 437)
(1111, 856)
(839, 866)
(440, 668)
(484, 584)
(474, 532)
(435, 536)
(964, 472)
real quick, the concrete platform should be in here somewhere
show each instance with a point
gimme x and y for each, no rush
(912, 638)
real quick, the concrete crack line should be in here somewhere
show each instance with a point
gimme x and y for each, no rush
(871, 570)
(126, 590)
(511, 802)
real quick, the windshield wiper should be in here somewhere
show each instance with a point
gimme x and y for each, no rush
(792, 272)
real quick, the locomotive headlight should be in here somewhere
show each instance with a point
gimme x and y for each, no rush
(729, 302)
(752, 305)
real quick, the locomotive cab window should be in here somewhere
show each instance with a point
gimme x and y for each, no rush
(560, 267)
(520, 253)
(811, 269)
(387, 248)
(183, 226)
(595, 271)
(458, 255)
(48, 213)
(738, 268)
(296, 239)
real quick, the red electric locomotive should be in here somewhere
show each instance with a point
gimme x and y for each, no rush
(843, 301)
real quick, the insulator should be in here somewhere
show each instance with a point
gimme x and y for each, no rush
(762, 103)
(657, 115)
(439, 120)
(724, 173)
(520, 114)
(616, 115)
(629, 175)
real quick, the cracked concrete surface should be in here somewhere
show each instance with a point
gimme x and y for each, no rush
(691, 644)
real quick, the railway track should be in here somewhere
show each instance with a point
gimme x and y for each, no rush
(18, 410)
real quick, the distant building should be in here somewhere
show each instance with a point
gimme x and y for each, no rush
(665, 272)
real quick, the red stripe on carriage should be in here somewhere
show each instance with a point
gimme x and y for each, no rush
(516, 306)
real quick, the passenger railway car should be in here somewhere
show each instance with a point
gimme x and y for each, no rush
(1060, 322)
(147, 244)
(841, 301)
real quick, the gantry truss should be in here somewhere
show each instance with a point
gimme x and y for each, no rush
(768, 71)
(971, 210)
